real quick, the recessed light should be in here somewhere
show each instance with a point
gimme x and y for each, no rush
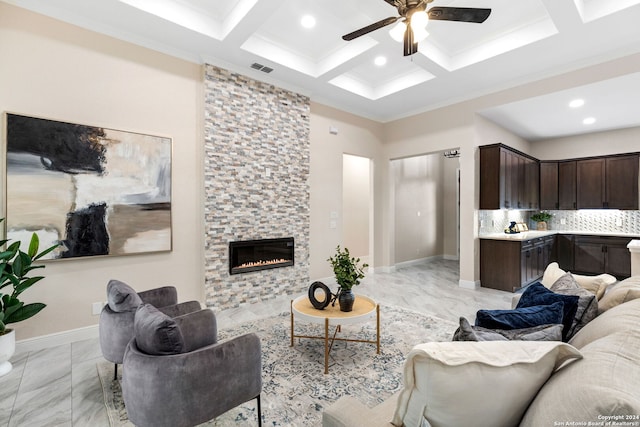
(308, 21)
(589, 120)
(380, 61)
(576, 103)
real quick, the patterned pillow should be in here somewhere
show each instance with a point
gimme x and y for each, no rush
(537, 294)
(587, 308)
(466, 332)
(519, 318)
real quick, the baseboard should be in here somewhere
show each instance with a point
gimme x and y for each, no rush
(385, 269)
(451, 257)
(59, 338)
(417, 261)
(469, 284)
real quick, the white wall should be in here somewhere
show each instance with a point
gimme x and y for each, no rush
(57, 71)
(356, 203)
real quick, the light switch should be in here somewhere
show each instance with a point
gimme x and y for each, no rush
(333, 224)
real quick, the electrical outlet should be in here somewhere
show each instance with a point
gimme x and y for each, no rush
(563, 221)
(96, 308)
(482, 223)
(618, 222)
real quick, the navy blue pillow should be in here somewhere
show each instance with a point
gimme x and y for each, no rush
(525, 317)
(537, 294)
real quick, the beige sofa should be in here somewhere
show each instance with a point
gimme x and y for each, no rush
(595, 378)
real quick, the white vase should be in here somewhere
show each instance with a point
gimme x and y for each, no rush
(7, 348)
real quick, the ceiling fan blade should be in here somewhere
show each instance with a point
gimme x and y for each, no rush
(369, 28)
(392, 2)
(462, 14)
(410, 46)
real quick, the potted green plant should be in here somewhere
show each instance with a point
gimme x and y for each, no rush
(541, 219)
(348, 274)
(15, 269)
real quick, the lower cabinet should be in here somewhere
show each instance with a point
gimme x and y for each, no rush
(508, 265)
(602, 254)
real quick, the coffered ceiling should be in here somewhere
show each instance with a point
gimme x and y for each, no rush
(520, 41)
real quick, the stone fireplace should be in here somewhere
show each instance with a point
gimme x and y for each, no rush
(256, 181)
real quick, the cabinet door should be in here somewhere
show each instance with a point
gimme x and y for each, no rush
(548, 185)
(564, 251)
(590, 183)
(589, 257)
(622, 182)
(618, 260)
(567, 185)
(532, 184)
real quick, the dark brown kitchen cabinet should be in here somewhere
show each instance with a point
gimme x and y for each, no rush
(564, 251)
(600, 254)
(548, 185)
(557, 185)
(508, 179)
(567, 185)
(508, 265)
(607, 182)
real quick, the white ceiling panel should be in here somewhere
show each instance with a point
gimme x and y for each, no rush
(518, 43)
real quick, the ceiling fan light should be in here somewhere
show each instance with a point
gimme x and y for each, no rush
(419, 20)
(397, 32)
(420, 34)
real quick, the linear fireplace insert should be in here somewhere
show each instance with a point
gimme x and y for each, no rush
(253, 255)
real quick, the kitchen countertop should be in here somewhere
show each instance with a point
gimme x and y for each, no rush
(533, 234)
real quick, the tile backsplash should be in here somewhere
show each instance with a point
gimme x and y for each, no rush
(585, 220)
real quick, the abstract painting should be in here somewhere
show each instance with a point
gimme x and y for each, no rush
(96, 191)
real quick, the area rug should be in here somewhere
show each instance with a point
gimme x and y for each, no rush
(295, 389)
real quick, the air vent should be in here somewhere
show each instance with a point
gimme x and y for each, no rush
(261, 67)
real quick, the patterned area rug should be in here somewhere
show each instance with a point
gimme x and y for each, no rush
(295, 389)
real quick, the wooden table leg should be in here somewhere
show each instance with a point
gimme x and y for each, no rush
(326, 345)
(378, 327)
(291, 308)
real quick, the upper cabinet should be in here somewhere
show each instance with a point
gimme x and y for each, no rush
(607, 182)
(558, 185)
(508, 179)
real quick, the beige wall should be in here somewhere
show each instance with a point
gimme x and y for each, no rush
(356, 136)
(57, 71)
(356, 202)
(591, 144)
(450, 207)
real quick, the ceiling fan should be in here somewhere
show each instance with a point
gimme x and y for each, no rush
(417, 10)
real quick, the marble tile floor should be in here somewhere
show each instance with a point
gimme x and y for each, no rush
(59, 386)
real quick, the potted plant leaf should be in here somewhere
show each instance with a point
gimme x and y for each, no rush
(348, 274)
(15, 278)
(541, 219)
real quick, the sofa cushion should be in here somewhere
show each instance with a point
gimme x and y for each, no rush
(624, 317)
(603, 383)
(587, 307)
(552, 273)
(121, 297)
(627, 290)
(594, 284)
(466, 332)
(444, 382)
(597, 285)
(537, 294)
(156, 333)
(524, 317)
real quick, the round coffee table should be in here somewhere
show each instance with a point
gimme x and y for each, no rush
(364, 309)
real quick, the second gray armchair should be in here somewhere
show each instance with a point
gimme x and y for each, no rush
(177, 374)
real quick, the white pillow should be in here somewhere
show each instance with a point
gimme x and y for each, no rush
(595, 284)
(552, 273)
(480, 384)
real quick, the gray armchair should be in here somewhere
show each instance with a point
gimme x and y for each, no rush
(116, 318)
(177, 374)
